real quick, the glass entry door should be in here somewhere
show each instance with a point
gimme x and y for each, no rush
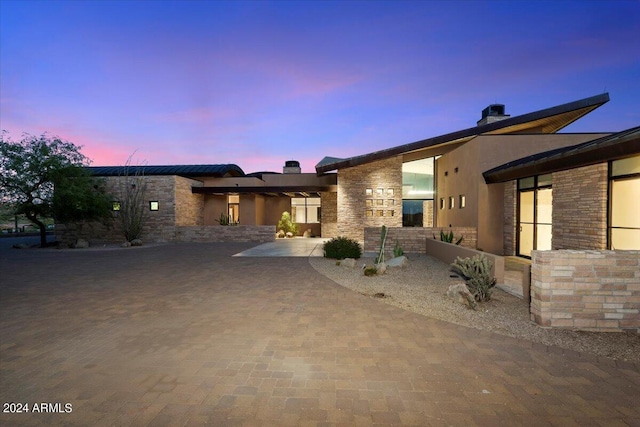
(535, 215)
(527, 223)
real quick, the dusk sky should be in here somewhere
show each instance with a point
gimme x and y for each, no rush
(257, 83)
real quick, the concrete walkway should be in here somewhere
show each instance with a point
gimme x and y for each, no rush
(189, 335)
(296, 247)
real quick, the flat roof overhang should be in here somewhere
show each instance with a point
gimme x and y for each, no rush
(613, 147)
(549, 120)
(302, 190)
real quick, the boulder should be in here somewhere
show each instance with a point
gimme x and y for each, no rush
(399, 261)
(289, 235)
(381, 268)
(81, 244)
(307, 233)
(460, 293)
(136, 242)
(280, 234)
(125, 245)
(348, 262)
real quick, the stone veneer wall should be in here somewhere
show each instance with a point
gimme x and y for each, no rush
(510, 217)
(238, 233)
(329, 211)
(580, 208)
(160, 224)
(352, 184)
(189, 206)
(412, 239)
(591, 290)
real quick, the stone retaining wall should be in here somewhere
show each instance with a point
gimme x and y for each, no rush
(218, 233)
(590, 290)
(412, 239)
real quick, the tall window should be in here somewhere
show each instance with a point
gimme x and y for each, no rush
(417, 192)
(233, 203)
(305, 210)
(624, 203)
(535, 201)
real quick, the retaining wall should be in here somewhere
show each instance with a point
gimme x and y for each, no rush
(589, 290)
(218, 233)
(412, 239)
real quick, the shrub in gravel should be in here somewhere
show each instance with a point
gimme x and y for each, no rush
(341, 248)
(476, 272)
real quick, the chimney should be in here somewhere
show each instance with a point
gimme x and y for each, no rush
(493, 113)
(291, 166)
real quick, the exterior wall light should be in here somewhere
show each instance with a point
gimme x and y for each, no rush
(154, 205)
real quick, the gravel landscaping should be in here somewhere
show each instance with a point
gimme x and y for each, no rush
(422, 288)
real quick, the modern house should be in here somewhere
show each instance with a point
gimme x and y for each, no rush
(452, 181)
(509, 186)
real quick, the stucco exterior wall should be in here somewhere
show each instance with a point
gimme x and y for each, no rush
(486, 208)
(352, 184)
(591, 290)
(579, 215)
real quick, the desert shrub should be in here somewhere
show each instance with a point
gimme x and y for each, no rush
(476, 273)
(341, 248)
(448, 237)
(397, 250)
(370, 271)
(287, 225)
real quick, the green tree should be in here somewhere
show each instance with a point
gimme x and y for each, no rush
(286, 224)
(32, 168)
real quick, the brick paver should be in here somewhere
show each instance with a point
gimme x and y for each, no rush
(188, 335)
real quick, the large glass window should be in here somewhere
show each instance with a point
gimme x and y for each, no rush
(305, 210)
(624, 204)
(417, 187)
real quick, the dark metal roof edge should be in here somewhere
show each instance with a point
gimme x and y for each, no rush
(179, 170)
(611, 147)
(593, 101)
(267, 189)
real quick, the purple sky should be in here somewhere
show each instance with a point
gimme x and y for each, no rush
(258, 83)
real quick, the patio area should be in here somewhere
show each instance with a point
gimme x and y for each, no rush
(189, 334)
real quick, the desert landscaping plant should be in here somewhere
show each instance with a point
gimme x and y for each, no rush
(132, 212)
(448, 237)
(476, 273)
(341, 248)
(397, 250)
(226, 220)
(383, 240)
(287, 225)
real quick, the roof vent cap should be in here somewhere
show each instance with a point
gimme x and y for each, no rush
(493, 113)
(291, 166)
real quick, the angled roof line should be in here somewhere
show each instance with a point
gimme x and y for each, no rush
(220, 170)
(612, 147)
(551, 119)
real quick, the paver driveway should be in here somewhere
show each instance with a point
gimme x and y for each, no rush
(189, 335)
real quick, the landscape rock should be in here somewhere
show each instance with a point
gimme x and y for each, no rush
(400, 261)
(280, 234)
(289, 235)
(459, 293)
(307, 233)
(136, 242)
(125, 245)
(382, 268)
(81, 244)
(348, 262)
